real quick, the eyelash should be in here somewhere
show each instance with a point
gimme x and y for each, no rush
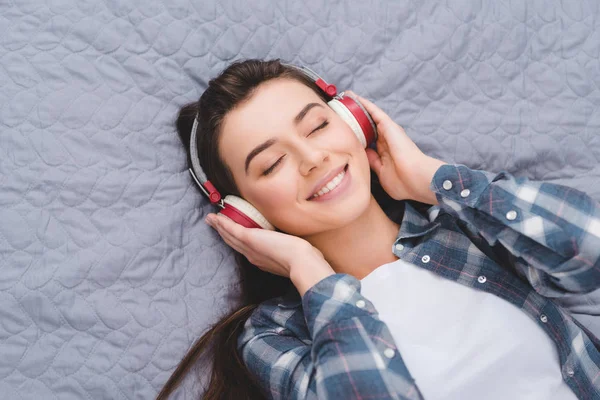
(272, 167)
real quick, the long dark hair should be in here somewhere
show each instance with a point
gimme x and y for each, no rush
(230, 378)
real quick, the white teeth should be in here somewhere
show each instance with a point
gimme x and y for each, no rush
(332, 184)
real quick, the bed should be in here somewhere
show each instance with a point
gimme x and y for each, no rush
(107, 271)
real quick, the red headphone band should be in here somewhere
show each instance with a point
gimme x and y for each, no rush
(359, 114)
(238, 216)
(330, 89)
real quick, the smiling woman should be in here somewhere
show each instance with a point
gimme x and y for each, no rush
(344, 300)
(263, 127)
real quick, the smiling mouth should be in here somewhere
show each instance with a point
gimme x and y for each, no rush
(331, 185)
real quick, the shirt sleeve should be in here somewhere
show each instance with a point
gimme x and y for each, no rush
(348, 353)
(552, 232)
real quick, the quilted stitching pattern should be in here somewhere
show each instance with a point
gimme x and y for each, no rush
(107, 274)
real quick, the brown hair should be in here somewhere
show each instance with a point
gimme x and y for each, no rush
(230, 378)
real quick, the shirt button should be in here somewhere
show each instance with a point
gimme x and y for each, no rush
(511, 215)
(425, 259)
(361, 304)
(465, 193)
(570, 371)
(389, 352)
(399, 247)
(543, 318)
(481, 279)
(447, 185)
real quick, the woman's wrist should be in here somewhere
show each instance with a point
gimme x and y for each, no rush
(427, 170)
(306, 273)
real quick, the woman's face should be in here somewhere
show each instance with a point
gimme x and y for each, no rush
(282, 146)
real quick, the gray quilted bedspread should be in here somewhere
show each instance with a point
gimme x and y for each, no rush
(107, 272)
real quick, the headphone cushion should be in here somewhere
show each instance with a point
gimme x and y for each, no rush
(347, 116)
(248, 210)
(371, 124)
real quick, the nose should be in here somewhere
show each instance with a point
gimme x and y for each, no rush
(310, 157)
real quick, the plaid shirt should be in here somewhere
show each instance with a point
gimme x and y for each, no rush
(530, 243)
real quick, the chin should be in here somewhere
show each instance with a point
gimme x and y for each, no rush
(360, 204)
(312, 223)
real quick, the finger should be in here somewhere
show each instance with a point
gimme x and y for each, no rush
(387, 128)
(247, 239)
(209, 219)
(250, 237)
(235, 244)
(241, 243)
(232, 242)
(374, 160)
(231, 228)
(379, 116)
(228, 237)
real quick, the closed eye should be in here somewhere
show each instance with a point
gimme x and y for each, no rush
(272, 167)
(323, 125)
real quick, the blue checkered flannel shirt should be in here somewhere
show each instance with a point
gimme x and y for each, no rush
(530, 243)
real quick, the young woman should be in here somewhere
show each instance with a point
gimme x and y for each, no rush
(487, 292)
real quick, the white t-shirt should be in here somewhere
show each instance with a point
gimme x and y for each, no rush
(462, 343)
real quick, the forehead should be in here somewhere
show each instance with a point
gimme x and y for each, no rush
(268, 113)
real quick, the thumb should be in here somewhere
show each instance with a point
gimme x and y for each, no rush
(374, 160)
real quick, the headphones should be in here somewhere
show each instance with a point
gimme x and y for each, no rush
(244, 213)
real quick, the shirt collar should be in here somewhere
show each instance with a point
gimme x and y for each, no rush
(415, 223)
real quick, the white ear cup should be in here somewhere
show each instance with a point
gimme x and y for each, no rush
(248, 210)
(347, 116)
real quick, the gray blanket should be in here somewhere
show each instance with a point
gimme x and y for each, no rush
(107, 271)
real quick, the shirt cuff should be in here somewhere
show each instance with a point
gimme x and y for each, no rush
(334, 298)
(460, 183)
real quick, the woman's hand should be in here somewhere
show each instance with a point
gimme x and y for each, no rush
(274, 252)
(404, 171)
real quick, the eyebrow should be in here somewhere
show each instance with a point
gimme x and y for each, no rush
(265, 145)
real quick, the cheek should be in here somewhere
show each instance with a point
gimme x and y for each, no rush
(276, 194)
(363, 162)
(342, 137)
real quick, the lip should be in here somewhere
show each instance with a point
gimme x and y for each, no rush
(326, 179)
